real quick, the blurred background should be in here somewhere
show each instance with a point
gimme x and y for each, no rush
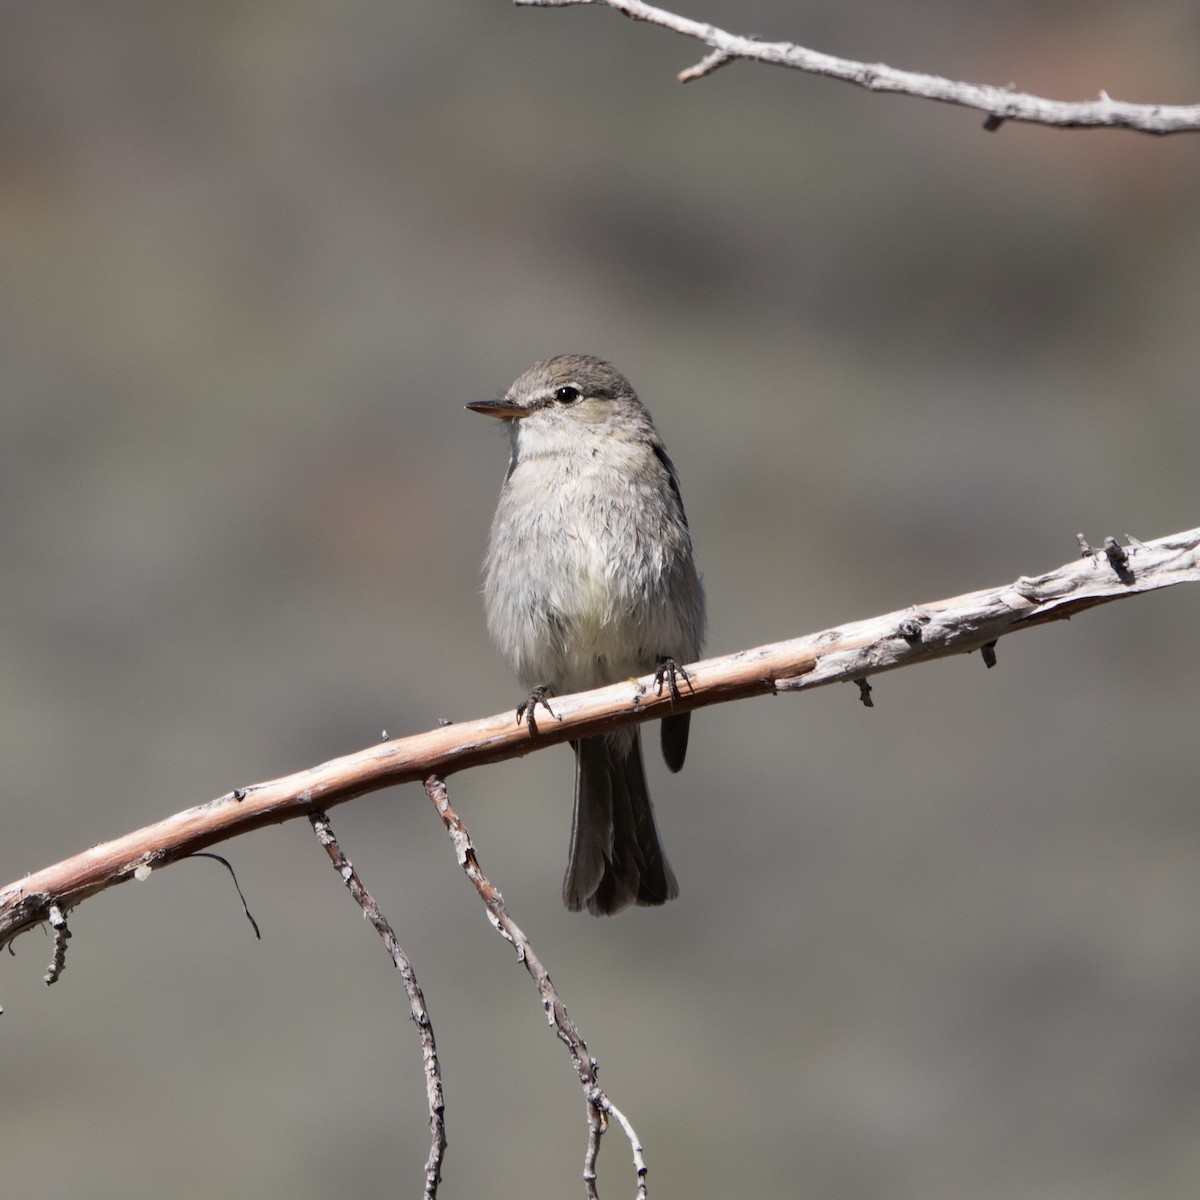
(255, 257)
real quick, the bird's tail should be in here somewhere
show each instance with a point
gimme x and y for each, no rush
(616, 856)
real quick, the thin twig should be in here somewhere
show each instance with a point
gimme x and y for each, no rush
(1000, 103)
(416, 999)
(600, 1108)
(62, 933)
(237, 887)
(706, 66)
(959, 625)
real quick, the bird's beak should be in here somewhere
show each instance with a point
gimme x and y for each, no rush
(506, 410)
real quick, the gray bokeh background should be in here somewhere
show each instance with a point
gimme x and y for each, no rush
(255, 257)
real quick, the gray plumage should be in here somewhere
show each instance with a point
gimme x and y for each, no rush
(590, 580)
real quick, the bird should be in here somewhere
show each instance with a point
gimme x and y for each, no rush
(590, 578)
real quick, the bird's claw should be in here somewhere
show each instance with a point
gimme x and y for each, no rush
(668, 673)
(525, 709)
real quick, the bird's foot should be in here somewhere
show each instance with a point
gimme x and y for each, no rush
(526, 708)
(668, 673)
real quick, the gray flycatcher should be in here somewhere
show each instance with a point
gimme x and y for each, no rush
(590, 580)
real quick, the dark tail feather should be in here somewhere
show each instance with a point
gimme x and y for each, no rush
(616, 858)
(675, 739)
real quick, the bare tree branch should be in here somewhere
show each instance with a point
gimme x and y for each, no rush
(1000, 103)
(58, 922)
(847, 653)
(416, 998)
(600, 1107)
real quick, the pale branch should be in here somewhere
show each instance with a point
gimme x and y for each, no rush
(416, 998)
(1000, 103)
(58, 922)
(847, 653)
(599, 1106)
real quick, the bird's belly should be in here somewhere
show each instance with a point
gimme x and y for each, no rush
(602, 613)
(587, 595)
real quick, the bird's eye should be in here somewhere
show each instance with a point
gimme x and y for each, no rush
(567, 395)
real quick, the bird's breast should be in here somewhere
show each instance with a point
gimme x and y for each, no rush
(579, 575)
